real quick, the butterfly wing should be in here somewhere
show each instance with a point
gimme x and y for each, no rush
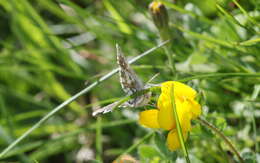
(130, 82)
(128, 78)
(106, 109)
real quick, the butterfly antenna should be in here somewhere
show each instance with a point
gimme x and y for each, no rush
(149, 84)
(152, 78)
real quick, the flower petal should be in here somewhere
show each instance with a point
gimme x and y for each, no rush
(173, 142)
(149, 118)
(195, 108)
(166, 118)
(180, 90)
(165, 114)
(184, 115)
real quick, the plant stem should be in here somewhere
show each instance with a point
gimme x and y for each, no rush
(99, 139)
(210, 75)
(220, 134)
(170, 60)
(65, 103)
(251, 107)
(179, 129)
(131, 148)
(165, 34)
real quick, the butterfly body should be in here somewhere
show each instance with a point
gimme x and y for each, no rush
(130, 84)
(128, 79)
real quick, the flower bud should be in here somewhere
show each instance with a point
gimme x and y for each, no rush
(159, 15)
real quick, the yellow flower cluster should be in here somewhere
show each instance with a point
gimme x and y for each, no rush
(163, 117)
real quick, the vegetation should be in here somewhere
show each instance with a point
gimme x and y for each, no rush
(58, 64)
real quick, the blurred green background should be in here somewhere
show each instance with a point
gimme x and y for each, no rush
(50, 50)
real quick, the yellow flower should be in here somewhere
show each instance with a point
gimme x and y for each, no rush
(163, 117)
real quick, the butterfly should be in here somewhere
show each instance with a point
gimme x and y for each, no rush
(130, 84)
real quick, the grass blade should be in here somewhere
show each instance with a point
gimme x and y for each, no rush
(132, 147)
(65, 103)
(179, 129)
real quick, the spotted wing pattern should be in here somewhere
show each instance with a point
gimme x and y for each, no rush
(130, 83)
(128, 78)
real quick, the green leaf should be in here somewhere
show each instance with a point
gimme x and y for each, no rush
(124, 27)
(160, 142)
(198, 58)
(221, 123)
(148, 151)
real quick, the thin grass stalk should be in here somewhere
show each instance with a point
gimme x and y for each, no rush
(8, 136)
(246, 13)
(253, 97)
(179, 129)
(223, 43)
(188, 12)
(76, 132)
(223, 137)
(171, 61)
(99, 139)
(134, 146)
(211, 75)
(65, 103)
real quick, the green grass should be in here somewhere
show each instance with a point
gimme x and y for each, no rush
(46, 105)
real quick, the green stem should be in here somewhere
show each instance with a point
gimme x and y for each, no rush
(179, 129)
(99, 139)
(165, 34)
(65, 103)
(210, 75)
(220, 134)
(246, 13)
(170, 60)
(253, 97)
(132, 147)
(8, 136)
